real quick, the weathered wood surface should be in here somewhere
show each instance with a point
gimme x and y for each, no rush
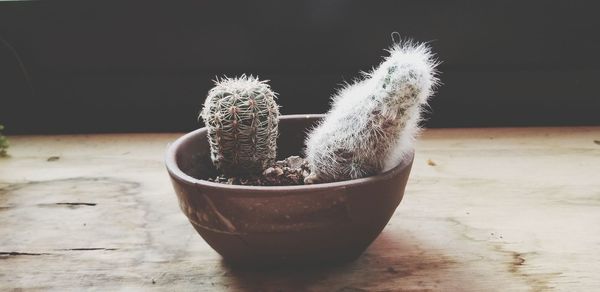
(485, 210)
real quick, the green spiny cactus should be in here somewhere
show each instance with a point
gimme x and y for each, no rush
(241, 116)
(3, 143)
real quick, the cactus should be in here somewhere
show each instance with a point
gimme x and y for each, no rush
(373, 122)
(241, 116)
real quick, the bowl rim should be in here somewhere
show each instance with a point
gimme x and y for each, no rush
(178, 174)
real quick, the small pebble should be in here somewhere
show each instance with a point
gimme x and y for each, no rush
(278, 171)
(295, 162)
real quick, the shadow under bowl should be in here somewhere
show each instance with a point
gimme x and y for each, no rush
(282, 225)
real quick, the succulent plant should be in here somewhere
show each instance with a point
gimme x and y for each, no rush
(373, 122)
(241, 116)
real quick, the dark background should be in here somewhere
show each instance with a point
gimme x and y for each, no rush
(146, 66)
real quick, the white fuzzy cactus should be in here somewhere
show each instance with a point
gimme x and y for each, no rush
(373, 123)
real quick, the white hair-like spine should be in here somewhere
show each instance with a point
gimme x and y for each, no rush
(373, 122)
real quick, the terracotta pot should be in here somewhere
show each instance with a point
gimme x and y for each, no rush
(263, 225)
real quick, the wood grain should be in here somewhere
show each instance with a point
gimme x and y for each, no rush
(484, 210)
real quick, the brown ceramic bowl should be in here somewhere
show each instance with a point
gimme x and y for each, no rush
(264, 225)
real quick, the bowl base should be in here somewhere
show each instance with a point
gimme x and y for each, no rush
(311, 249)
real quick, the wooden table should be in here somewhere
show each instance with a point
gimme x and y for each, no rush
(484, 210)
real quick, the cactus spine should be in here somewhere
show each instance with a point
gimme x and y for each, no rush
(373, 122)
(241, 116)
